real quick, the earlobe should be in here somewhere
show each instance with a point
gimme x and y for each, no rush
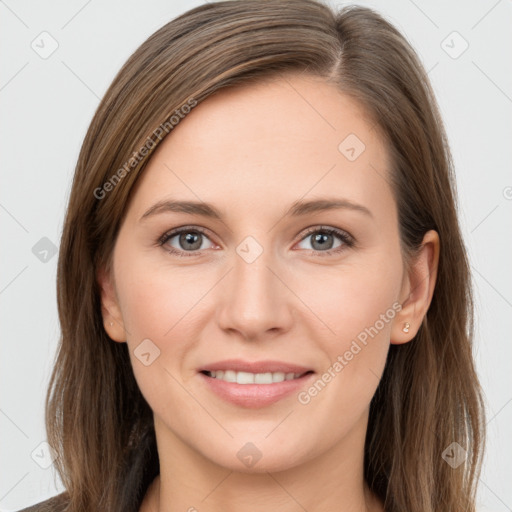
(110, 310)
(417, 290)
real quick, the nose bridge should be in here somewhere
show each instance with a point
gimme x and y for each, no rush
(255, 300)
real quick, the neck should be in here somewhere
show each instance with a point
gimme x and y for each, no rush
(190, 482)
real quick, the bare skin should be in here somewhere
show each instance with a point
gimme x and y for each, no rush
(251, 153)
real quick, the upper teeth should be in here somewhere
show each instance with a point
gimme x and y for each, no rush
(252, 378)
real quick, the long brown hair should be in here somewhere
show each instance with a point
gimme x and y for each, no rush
(429, 396)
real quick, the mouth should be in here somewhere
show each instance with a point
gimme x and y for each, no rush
(241, 377)
(254, 384)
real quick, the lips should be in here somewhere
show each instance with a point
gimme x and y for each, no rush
(254, 396)
(254, 384)
(238, 365)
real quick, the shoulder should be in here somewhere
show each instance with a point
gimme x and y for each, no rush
(54, 504)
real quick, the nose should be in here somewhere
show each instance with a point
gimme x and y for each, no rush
(256, 300)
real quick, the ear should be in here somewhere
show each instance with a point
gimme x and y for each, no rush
(110, 310)
(417, 289)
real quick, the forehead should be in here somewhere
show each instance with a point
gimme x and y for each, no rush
(273, 141)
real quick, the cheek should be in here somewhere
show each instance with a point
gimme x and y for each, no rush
(155, 299)
(165, 304)
(161, 317)
(358, 305)
(350, 299)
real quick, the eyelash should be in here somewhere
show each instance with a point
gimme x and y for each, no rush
(348, 240)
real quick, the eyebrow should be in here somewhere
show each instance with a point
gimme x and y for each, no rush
(297, 209)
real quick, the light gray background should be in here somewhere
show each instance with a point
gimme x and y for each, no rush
(47, 104)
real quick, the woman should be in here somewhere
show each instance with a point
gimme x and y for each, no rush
(270, 307)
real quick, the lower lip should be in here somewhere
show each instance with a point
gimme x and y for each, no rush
(254, 396)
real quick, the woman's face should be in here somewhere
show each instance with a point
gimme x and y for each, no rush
(264, 278)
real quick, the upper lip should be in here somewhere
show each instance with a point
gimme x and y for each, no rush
(255, 367)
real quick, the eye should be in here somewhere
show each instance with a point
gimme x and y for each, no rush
(323, 240)
(189, 241)
(185, 240)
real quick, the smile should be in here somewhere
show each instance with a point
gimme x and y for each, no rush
(252, 378)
